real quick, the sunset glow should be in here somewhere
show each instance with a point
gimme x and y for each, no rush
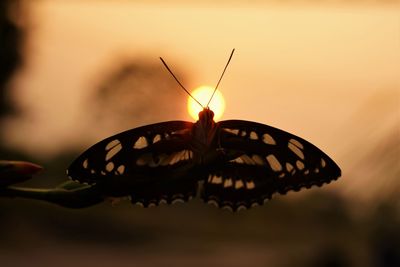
(203, 94)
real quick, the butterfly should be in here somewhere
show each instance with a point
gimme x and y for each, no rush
(233, 164)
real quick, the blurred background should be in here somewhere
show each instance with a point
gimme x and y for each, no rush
(74, 72)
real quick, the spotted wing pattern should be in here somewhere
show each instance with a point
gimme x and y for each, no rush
(261, 161)
(148, 163)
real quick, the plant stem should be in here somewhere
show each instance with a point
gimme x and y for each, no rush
(82, 197)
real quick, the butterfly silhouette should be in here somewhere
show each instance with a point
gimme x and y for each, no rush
(232, 164)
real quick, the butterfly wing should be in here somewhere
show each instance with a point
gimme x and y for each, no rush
(148, 163)
(262, 160)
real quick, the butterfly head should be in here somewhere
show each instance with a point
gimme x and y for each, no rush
(206, 116)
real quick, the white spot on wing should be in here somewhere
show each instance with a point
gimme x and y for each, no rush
(140, 204)
(232, 131)
(177, 200)
(289, 167)
(237, 160)
(268, 139)
(109, 166)
(253, 135)
(113, 151)
(85, 164)
(156, 138)
(258, 160)
(121, 169)
(300, 165)
(227, 207)
(250, 185)
(247, 160)
(112, 144)
(296, 150)
(274, 163)
(213, 202)
(176, 157)
(216, 180)
(140, 143)
(323, 163)
(254, 204)
(228, 182)
(241, 207)
(239, 184)
(180, 132)
(186, 155)
(296, 143)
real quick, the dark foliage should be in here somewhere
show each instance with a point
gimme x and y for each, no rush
(12, 37)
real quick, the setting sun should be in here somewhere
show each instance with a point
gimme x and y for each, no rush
(203, 94)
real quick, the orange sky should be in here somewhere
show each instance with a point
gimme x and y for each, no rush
(308, 70)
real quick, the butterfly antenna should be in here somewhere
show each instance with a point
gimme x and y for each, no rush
(176, 79)
(222, 75)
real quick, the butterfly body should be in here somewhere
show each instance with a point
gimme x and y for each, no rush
(204, 132)
(239, 163)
